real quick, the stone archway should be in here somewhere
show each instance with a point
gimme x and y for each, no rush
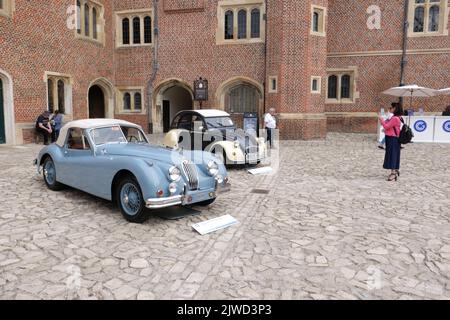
(7, 109)
(100, 99)
(238, 95)
(171, 96)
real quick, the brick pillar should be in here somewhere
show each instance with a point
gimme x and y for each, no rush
(294, 55)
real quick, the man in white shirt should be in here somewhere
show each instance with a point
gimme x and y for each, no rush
(271, 124)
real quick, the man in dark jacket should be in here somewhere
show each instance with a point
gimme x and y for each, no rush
(43, 126)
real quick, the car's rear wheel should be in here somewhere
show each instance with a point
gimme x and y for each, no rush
(206, 202)
(130, 200)
(49, 173)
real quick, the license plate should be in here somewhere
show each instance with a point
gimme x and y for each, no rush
(198, 196)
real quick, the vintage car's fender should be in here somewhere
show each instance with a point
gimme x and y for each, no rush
(54, 151)
(151, 175)
(172, 137)
(232, 153)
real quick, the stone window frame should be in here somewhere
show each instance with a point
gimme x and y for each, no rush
(7, 9)
(443, 18)
(340, 72)
(319, 85)
(322, 11)
(80, 32)
(68, 85)
(236, 6)
(121, 91)
(131, 14)
(271, 89)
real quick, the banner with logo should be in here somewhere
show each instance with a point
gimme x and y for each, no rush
(422, 127)
(442, 130)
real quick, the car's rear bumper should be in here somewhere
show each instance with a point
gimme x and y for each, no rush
(190, 197)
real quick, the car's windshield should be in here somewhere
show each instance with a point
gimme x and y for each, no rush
(134, 135)
(219, 122)
(108, 135)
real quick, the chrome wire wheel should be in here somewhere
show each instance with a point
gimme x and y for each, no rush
(130, 199)
(50, 172)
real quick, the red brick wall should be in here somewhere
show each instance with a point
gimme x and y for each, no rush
(348, 33)
(37, 40)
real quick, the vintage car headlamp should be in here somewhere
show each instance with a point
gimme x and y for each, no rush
(173, 188)
(213, 168)
(174, 174)
(236, 144)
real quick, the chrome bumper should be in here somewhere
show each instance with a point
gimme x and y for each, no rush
(158, 203)
(185, 199)
(223, 188)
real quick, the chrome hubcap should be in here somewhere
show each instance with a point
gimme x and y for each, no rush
(49, 172)
(131, 200)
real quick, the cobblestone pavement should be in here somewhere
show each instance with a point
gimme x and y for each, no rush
(331, 227)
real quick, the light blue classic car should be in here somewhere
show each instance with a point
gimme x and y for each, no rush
(112, 159)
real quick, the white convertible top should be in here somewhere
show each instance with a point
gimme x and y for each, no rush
(209, 113)
(88, 124)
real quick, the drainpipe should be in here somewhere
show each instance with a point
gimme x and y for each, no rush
(404, 61)
(155, 66)
(265, 64)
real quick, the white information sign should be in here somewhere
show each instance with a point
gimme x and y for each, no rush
(262, 170)
(215, 224)
(442, 130)
(422, 127)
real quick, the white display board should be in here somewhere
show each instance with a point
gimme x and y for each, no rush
(422, 127)
(442, 130)
(215, 224)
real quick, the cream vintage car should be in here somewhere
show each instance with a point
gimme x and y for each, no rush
(214, 131)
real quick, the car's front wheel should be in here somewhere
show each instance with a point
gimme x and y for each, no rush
(49, 172)
(130, 200)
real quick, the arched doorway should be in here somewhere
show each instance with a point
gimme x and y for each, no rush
(172, 97)
(7, 129)
(101, 99)
(240, 95)
(96, 103)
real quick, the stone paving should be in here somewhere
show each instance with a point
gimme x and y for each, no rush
(331, 227)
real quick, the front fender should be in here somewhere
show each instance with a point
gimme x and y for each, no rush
(151, 175)
(231, 152)
(172, 137)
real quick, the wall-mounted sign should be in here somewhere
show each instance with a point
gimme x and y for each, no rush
(201, 89)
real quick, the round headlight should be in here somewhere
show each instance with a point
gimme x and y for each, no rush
(173, 188)
(213, 168)
(174, 174)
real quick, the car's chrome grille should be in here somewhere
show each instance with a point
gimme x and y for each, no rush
(190, 170)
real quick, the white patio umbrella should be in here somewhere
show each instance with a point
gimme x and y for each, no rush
(444, 92)
(411, 91)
